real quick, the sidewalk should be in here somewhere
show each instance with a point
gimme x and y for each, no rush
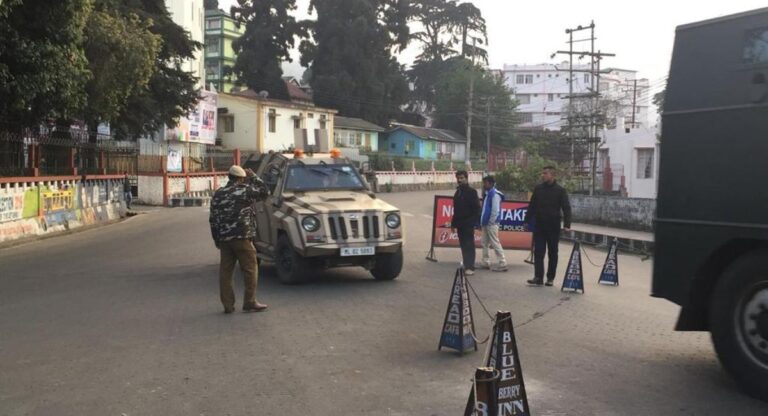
(629, 240)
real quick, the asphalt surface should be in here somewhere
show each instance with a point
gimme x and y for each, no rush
(125, 320)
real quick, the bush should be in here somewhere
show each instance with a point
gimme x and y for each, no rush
(524, 179)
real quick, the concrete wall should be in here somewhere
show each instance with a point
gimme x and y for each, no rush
(151, 191)
(245, 113)
(45, 206)
(417, 181)
(628, 213)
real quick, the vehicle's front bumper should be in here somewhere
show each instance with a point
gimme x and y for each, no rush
(334, 249)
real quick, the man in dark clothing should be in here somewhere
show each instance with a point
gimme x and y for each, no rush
(548, 200)
(466, 216)
(233, 229)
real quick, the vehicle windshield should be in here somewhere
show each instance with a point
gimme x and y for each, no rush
(313, 177)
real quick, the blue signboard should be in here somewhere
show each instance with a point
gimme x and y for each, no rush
(457, 325)
(574, 277)
(610, 273)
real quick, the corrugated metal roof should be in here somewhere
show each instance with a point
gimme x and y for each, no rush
(428, 133)
(355, 124)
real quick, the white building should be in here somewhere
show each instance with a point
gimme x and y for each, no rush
(542, 91)
(190, 14)
(629, 160)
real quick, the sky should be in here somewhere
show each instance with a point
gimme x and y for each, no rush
(640, 33)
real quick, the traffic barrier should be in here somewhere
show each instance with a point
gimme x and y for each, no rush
(573, 281)
(458, 327)
(504, 358)
(610, 273)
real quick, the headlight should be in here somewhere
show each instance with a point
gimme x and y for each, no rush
(310, 224)
(393, 220)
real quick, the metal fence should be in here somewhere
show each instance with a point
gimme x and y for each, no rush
(48, 152)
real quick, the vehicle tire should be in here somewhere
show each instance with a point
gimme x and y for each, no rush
(291, 267)
(388, 265)
(738, 318)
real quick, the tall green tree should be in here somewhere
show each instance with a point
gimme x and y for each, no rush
(43, 68)
(352, 64)
(491, 104)
(171, 92)
(443, 25)
(471, 31)
(121, 52)
(271, 31)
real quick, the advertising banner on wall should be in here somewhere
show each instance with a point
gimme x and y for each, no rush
(174, 158)
(200, 125)
(511, 232)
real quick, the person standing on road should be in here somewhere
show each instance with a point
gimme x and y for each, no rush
(233, 228)
(547, 201)
(466, 210)
(127, 193)
(489, 221)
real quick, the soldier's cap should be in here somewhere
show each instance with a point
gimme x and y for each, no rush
(237, 171)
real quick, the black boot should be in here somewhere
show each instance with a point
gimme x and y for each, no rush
(535, 282)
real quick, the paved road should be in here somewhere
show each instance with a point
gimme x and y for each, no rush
(125, 319)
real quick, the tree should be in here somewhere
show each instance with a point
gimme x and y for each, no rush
(470, 29)
(43, 68)
(658, 100)
(444, 24)
(352, 66)
(492, 103)
(121, 52)
(270, 33)
(171, 92)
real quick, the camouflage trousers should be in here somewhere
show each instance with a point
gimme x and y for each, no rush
(243, 252)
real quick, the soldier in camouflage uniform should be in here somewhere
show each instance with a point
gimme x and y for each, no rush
(233, 227)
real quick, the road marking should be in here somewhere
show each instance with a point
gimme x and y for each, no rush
(426, 216)
(407, 214)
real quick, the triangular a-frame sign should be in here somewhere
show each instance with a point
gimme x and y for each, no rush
(610, 273)
(574, 277)
(458, 326)
(511, 398)
(486, 390)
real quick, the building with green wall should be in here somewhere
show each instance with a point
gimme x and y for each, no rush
(220, 31)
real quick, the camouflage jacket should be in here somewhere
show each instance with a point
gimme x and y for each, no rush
(232, 215)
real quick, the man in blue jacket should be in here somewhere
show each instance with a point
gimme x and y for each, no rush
(489, 220)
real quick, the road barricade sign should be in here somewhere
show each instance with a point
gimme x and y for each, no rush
(574, 276)
(482, 399)
(504, 358)
(458, 327)
(610, 273)
(512, 233)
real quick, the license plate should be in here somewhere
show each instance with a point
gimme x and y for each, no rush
(357, 251)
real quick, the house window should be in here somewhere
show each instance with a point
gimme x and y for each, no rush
(213, 24)
(645, 163)
(550, 97)
(586, 78)
(450, 147)
(229, 124)
(393, 146)
(212, 47)
(520, 79)
(529, 79)
(526, 117)
(272, 120)
(212, 70)
(337, 140)
(410, 145)
(296, 123)
(524, 98)
(310, 115)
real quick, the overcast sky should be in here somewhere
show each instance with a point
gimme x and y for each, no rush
(640, 33)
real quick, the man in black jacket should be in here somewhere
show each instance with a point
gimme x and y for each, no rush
(548, 200)
(466, 216)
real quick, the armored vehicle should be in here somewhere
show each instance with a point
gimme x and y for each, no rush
(712, 215)
(321, 213)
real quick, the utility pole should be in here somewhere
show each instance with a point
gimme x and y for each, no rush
(488, 134)
(593, 95)
(468, 154)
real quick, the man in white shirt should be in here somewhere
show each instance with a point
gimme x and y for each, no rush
(489, 220)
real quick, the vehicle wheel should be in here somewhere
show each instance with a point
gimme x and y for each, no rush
(291, 267)
(388, 265)
(738, 317)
